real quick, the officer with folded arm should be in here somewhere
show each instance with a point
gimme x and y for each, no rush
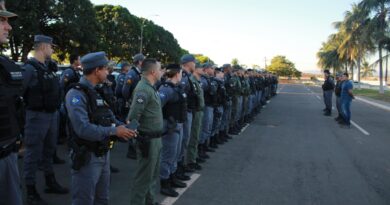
(91, 125)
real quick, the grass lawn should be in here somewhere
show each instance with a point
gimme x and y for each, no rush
(372, 94)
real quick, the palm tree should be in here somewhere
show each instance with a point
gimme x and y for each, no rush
(328, 56)
(355, 42)
(377, 10)
(367, 70)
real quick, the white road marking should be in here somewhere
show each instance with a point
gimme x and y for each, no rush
(360, 128)
(243, 129)
(374, 104)
(318, 97)
(172, 200)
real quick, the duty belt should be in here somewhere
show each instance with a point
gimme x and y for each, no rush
(150, 135)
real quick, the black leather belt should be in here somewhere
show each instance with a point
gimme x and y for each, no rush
(150, 135)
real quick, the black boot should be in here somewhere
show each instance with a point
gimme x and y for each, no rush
(200, 160)
(57, 160)
(53, 187)
(131, 152)
(226, 135)
(202, 153)
(180, 173)
(220, 138)
(114, 169)
(213, 143)
(166, 188)
(176, 183)
(207, 148)
(33, 197)
(195, 166)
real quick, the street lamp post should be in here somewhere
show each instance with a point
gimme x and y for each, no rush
(142, 32)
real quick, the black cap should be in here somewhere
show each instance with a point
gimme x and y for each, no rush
(173, 67)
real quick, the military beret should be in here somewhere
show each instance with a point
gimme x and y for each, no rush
(138, 57)
(43, 39)
(4, 12)
(187, 58)
(175, 67)
(94, 60)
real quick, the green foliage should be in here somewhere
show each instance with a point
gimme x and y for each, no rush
(78, 26)
(235, 62)
(281, 66)
(118, 32)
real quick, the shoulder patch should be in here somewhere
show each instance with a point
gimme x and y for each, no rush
(129, 81)
(140, 98)
(76, 100)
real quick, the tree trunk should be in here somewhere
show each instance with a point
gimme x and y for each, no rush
(352, 72)
(381, 90)
(387, 66)
(358, 69)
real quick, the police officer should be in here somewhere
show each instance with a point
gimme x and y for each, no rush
(174, 102)
(337, 92)
(209, 87)
(188, 67)
(131, 80)
(235, 83)
(146, 109)
(10, 129)
(220, 102)
(42, 97)
(196, 125)
(72, 74)
(120, 81)
(69, 76)
(91, 124)
(226, 117)
(328, 88)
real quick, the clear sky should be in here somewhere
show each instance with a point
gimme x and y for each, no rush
(249, 30)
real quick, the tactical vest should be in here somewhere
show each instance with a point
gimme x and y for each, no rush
(229, 85)
(210, 97)
(11, 81)
(192, 97)
(178, 109)
(222, 96)
(105, 90)
(45, 95)
(99, 113)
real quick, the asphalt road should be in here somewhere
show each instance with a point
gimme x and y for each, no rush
(291, 154)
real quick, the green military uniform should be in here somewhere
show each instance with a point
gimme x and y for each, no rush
(196, 126)
(146, 108)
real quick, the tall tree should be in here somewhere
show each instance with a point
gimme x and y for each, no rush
(378, 13)
(329, 55)
(281, 66)
(35, 17)
(118, 32)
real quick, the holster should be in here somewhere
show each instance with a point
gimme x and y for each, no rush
(144, 145)
(80, 156)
